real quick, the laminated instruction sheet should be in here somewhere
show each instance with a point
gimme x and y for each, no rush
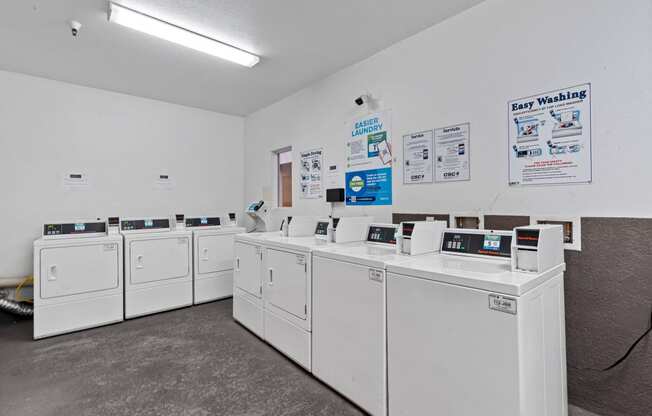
(550, 137)
(452, 153)
(417, 157)
(310, 176)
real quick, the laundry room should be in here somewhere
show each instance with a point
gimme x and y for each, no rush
(340, 208)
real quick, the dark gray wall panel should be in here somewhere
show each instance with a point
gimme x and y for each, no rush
(397, 218)
(608, 301)
(505, 222)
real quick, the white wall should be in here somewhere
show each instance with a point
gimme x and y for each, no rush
(122, 143)
(467, 69)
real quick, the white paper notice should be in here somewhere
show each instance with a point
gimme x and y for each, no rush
(310, 179)
(550, 137)
(452, 145)
(417, 157)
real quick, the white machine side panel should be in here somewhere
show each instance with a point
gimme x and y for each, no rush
(159, 259)
(215, 253)
(543, 351)
(448, 351)
(247, 268)
(286, 282)
(349, 332)
(71, 270)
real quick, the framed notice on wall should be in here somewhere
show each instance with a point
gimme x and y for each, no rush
(550, 137)
(418, 157)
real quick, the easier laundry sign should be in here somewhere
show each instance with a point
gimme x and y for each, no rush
(369, 160)
(550, 137)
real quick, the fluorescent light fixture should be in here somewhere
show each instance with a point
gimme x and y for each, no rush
(164, 30)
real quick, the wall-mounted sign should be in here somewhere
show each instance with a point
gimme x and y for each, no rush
(550, 137)
(417, 157)
(369, 160)
(75, 181)
(310, 174)
(452, 147)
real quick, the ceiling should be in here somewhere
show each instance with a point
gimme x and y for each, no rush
(299, 41)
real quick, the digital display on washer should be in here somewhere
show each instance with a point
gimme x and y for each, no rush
(203, 222)
(147, 224)
(491, 242)
(381, 234)
(74, 228)
(408, 229)
(476, 243)
(322, 228)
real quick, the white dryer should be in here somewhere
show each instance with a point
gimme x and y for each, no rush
(212, 258)
(348, 316)
(248, 262)
(158, 266)
(479, 329)
(77, 277)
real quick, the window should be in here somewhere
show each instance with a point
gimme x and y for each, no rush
(284, 177)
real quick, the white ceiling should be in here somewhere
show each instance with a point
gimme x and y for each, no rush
(299, 41)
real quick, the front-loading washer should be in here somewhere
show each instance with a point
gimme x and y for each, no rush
(212, 258)
(78, 277)
(158, 266)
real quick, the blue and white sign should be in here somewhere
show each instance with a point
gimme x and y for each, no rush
(369, 160)
(369, 187)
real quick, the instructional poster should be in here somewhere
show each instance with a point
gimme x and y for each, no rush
(369, 160)
(310, 178)
(550, 137)
(452, 146)
(417, 157)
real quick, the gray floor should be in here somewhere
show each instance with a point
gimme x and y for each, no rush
(193, 361)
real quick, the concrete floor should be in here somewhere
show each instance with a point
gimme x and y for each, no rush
(194, 361)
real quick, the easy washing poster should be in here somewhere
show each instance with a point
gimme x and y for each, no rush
(550, 137)
(369, 160)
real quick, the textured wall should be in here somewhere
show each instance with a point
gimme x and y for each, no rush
(608, 304)
(608, 301)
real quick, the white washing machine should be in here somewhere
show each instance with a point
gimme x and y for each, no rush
(212, 258)
(348, 316)
(248, 262)
(77, 277)
(479, 329)
(158, 266)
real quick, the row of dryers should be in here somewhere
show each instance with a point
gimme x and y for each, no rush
(416, 318)
(93, 273)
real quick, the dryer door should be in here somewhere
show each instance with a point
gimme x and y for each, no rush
(159, 259)
(287, 282)
(71, 270)
(215, 253)
(247, 273)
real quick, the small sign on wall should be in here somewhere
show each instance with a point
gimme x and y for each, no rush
(75, 181)
(418, 157)
(163, 181)
(452, 147)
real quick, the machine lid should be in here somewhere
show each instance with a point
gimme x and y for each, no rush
(203, 222)
(361, 252)
(304, 243)
(492, 275)
(84, 229)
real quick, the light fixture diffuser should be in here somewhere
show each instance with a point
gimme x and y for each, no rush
(172, 33)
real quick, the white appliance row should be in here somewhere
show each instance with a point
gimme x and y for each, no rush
(88, 274)
(272, 292)
(474, 327)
